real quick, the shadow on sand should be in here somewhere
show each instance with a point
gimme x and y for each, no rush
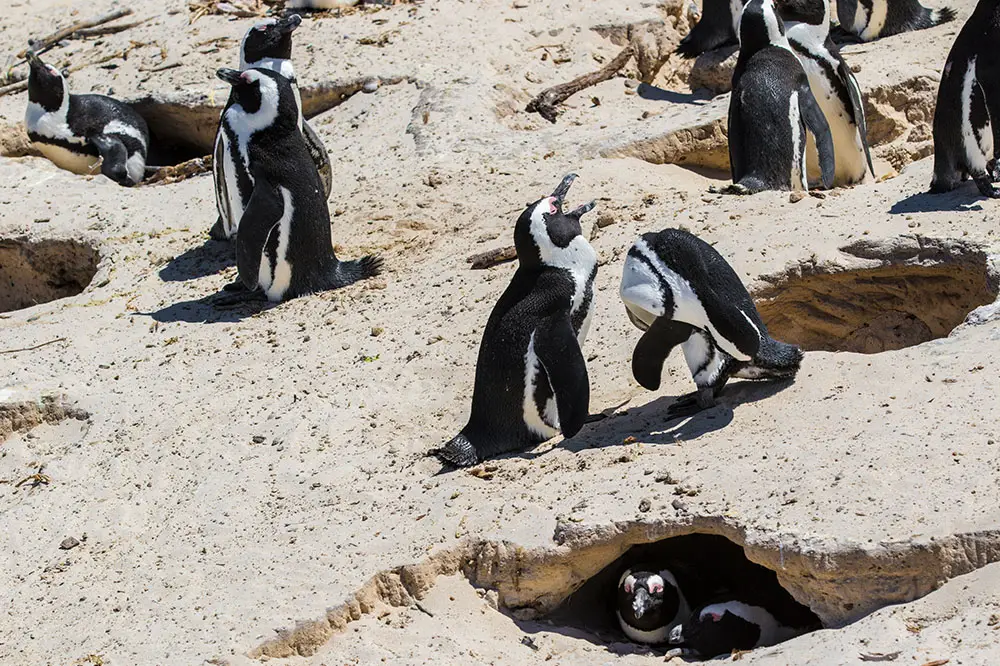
(963, 199)
(209, 258)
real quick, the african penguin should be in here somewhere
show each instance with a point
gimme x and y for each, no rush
(865, 20)
(649, 605)
(770, 109)
(723, 626)
(680, 291)
(267, 45)
(807, 26)
(967, 118)
(531, 377)
(284, 248)
(717, 28)
(78, 132)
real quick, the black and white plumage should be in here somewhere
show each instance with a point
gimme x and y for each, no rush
(866, 20)
(717, 28)
(284, 248)
(267, 45)
(967, 117)
(531, 377)
(80, 132)
(807, 27)
(723, 626)
(770, 109)
(680, 291)
(649, 604)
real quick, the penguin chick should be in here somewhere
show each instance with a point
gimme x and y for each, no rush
(719, 628)
(78, 132)
(968, 106)
(770, 109)
(284, 247)
(680, 291)
(649, 605)
(866, 20)
(531, 376)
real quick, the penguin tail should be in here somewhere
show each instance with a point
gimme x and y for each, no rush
(774, 360)
(943, 15)
(349, 272)
(457, 451)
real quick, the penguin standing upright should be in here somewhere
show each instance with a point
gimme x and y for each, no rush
(649, 605)
(717, 28)
(967, 117)
(680, 291)
(723, 626)
(76, 132)
(284, 248)
(770, 109)
(865, 20)
(807, 27)
(267, 45)
(531, 377)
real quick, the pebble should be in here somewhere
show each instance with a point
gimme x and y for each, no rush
(370, 85)
(645, 505)
(679, 505)
(69, 543)
(796, 197)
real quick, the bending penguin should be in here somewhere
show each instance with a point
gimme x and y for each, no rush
(531, 377)
(284, 248)
(717, 28)
(770, 109)
(649, 605)
(267, 45)
(723, 626)
(807, 27)
(80, 132)
(866, 20)
(968, 106)
(680, 291)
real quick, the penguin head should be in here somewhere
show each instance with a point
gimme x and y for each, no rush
(263, 94)
(719, 629)
(46, 84)
(648, 601)
(544, 229)
(270, 38)
(813, 12)
(760, 27)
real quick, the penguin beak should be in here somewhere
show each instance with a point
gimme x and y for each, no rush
(583, 210)
(230, 76)
(563, 188)
(289, 24)
(641, 602)
(34, 61)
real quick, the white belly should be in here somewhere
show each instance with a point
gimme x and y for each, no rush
(67, 159)
(544, 423)
(848, 150)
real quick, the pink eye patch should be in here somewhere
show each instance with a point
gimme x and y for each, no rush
(552, 206)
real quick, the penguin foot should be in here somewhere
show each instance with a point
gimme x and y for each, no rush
(459, 452)
(235, 298)
(692, 403)
(986, 188)
(235, 285)
(735, 188)
(218, 231)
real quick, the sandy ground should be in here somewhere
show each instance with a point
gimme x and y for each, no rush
(243, 472)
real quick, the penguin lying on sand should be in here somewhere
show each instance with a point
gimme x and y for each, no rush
(531, 377)
(717, 28)
(807, 27)
(721, 627)
(267, 45)
(967, 118)
(770, 109)
(865, 20)
(76, 132)
(284, 248)
(649, 605)
(680, 291)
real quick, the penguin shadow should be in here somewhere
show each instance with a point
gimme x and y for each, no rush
(209, 258)
(962, 199)
(653, 93)
(203, 311)
(650, 424)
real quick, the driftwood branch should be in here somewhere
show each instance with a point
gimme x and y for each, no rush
(24, 349)
(107, 29)
(546, 103)
(493, 257)
(45, 43)
(184, 170)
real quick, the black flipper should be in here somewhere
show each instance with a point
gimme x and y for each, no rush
(820, 128)
(735, 134)
(113, 156)
(218, 232)
(319, 155)
(559, 352)
(263, 212)
(653, 349)
(857, 106)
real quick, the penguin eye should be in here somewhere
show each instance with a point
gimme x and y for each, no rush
(715, 617)
(656, 588)
(552, 207)
(261, 28)
(628, 587)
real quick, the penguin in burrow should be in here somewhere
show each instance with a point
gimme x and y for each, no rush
(867, 20)
(729, 624)
(649, 603)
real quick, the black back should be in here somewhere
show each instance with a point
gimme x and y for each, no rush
(712, 637)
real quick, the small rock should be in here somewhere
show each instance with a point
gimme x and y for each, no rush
(796, 197)
(493, 599)
(645, 505)
(370, 85)
(520, 4)
(605, 220)
(679, 505)
(532, 77)
(258, 439)
(377, 331)
(69, 543)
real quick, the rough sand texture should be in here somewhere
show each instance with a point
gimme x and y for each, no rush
(247, 482)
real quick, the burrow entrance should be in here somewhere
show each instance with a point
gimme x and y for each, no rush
(877, 310)
(707, 567)
(43, 271)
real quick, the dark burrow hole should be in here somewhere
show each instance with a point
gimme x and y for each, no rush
(43, 271)
(178, 132)
(707, 568)
(871, 311)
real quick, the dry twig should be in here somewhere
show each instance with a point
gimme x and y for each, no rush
(23, 349)
(45, 43)
(547, 101)
(492, 257)
(178, 172)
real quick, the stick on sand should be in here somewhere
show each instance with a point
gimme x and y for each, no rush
(550, 98)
